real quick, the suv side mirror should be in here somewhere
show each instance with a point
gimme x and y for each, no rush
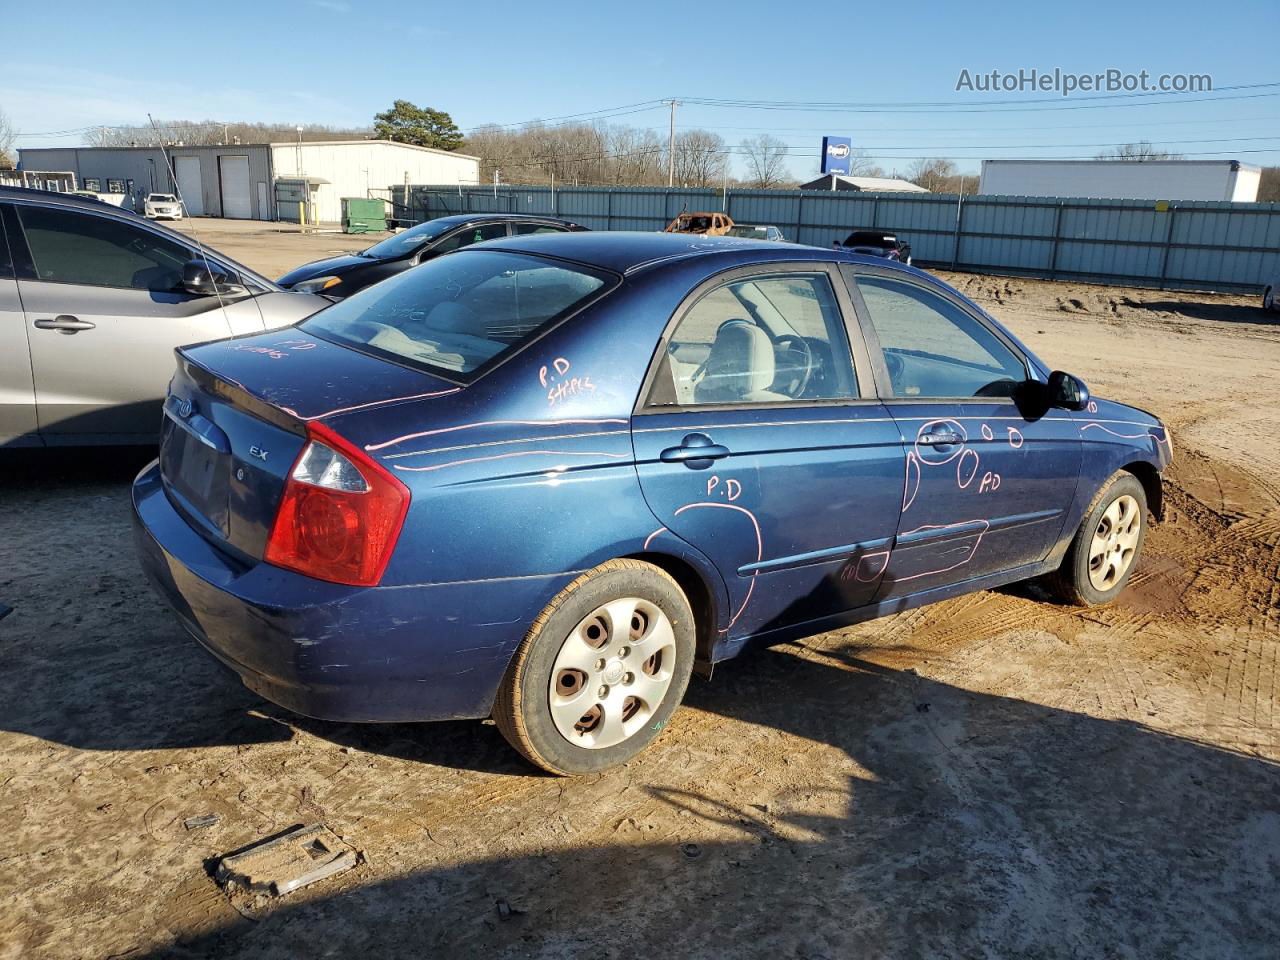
(1067, 391)
(204, 279)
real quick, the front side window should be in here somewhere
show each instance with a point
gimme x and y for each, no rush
(457, 313)
(71, 247)
(470, 235)
(759, 340)
(933, 349)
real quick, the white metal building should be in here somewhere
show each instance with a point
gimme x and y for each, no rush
(1123, 179)
(840, 181)
(258, 181)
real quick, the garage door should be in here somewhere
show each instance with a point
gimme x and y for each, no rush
(237, 198)
(187, 173)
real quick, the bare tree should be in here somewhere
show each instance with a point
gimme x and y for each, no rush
(766, 159)
(933, 173)
(860, 165)
(1269, 185)
(197, 133)
(1142, 150)
(7, 136)
(700, 159)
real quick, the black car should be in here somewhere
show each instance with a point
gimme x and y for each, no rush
(343, 275)
(877, 243)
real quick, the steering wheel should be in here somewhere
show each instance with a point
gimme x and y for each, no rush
(796, 346)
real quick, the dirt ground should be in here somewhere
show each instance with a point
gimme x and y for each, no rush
(994, 776)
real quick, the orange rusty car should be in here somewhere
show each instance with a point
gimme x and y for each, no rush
(710, 224)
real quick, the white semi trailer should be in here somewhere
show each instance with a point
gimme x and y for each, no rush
(1122, 179)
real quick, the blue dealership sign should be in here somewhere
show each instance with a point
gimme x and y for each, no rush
(837, 152)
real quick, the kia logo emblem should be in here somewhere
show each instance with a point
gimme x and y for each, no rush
(839, 150)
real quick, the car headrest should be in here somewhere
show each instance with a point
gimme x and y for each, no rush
(741, 363)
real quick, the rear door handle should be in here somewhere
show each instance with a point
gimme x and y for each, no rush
(939, 439)
(65, 323)
(696, 451)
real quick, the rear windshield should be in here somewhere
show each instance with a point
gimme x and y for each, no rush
(457, 313)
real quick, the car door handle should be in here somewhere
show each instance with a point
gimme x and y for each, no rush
(696, 451)
(940, 439)
(65, 323)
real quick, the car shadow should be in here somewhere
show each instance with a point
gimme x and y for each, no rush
(968, 825)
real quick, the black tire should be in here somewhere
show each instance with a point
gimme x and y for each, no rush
(522, 709)
(1071, 582)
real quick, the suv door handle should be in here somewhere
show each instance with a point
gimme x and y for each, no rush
(940, 439)
(65, 323)
(696, 451)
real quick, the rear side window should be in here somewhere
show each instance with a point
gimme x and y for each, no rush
(526, 228)
(71, 247)
(759, 340)
(933, 349)
(456, 314)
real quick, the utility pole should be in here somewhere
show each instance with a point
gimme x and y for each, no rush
(671, 147)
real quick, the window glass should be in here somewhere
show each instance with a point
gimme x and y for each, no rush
(456, 313)
(759, 340)
(464, 238)
(72, 247)
(933, 348)
(6, 264)
(524, 228)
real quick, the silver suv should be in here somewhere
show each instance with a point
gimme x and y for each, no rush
(93, 301)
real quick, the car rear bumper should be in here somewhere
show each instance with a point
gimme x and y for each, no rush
(332, 652)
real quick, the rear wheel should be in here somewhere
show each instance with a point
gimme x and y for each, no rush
(601, 670)
(1106, 547)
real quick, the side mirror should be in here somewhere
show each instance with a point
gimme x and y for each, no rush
(204, 279)
(1067, 391)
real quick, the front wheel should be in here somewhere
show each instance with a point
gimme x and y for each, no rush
(601, 670)
(1106, 547)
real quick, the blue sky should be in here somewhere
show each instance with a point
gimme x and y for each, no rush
(340, 61)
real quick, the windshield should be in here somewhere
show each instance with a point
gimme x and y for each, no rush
(459, 312)
(408, 241)
(745, 231)
(162, 198)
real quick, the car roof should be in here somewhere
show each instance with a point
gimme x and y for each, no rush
(461, 218)
(626, 252)
(55, 196)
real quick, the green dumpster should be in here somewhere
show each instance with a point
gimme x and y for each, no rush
(363, 215)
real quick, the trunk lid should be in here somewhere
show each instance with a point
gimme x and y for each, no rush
(235, 420)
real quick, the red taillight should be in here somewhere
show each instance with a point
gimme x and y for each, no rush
(341, 513)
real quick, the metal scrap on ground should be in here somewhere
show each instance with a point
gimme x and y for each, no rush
(288, 861)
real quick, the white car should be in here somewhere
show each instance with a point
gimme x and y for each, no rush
(162, 206)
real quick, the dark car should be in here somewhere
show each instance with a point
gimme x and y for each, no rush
(342, 276)
(877, 243)
(545, 478)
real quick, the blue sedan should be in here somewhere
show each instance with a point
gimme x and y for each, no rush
(547, 478)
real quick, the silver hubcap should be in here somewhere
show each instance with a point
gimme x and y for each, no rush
(1115, 543)
(612, 673)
